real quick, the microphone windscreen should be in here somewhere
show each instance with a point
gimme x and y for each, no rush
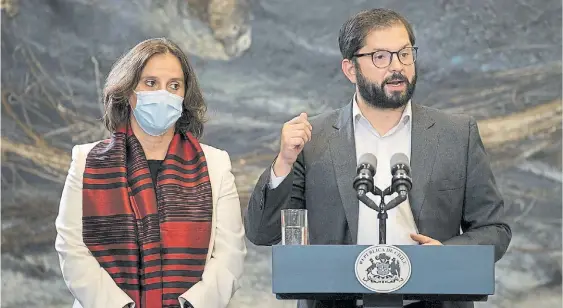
(399, 158)
(368, 158)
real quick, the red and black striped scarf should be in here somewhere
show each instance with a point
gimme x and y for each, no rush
(152, 241)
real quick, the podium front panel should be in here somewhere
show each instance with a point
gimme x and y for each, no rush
(435, 270)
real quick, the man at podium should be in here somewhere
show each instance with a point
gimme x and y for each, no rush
(454, 199)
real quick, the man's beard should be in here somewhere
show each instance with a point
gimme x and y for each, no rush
(375, 95)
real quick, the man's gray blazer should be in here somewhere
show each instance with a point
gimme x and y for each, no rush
(453, 187)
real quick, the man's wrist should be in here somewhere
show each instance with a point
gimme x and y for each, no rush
(281, 168)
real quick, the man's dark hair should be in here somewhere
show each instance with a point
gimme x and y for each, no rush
(355, 30)
(126, 73)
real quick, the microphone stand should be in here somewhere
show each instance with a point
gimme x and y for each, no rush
(382, 208)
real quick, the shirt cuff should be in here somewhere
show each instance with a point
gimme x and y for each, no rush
(275, 181)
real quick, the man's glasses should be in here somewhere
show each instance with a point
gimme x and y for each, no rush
(383, 58)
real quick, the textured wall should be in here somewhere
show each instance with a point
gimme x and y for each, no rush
(497, 60)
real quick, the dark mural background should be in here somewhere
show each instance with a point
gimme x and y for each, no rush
(263, 63)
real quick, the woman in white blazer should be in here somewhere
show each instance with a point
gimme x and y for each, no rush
(150, 217)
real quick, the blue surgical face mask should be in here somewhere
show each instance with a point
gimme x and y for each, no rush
(157, 111)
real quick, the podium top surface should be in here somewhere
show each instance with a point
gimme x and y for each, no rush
(434, 270)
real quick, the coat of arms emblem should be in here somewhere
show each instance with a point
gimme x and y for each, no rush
(383, 268)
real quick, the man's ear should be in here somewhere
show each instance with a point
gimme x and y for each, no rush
(349, 69)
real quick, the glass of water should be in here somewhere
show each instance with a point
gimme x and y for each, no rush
(294, 227)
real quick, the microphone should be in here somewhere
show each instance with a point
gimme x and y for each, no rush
(401, 181)
(363, 182)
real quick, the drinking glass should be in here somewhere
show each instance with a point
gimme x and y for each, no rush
(294, 227)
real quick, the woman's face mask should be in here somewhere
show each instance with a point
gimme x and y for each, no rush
(157, 111)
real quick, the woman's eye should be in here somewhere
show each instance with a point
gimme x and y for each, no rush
(150, 83)
(175, 86)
